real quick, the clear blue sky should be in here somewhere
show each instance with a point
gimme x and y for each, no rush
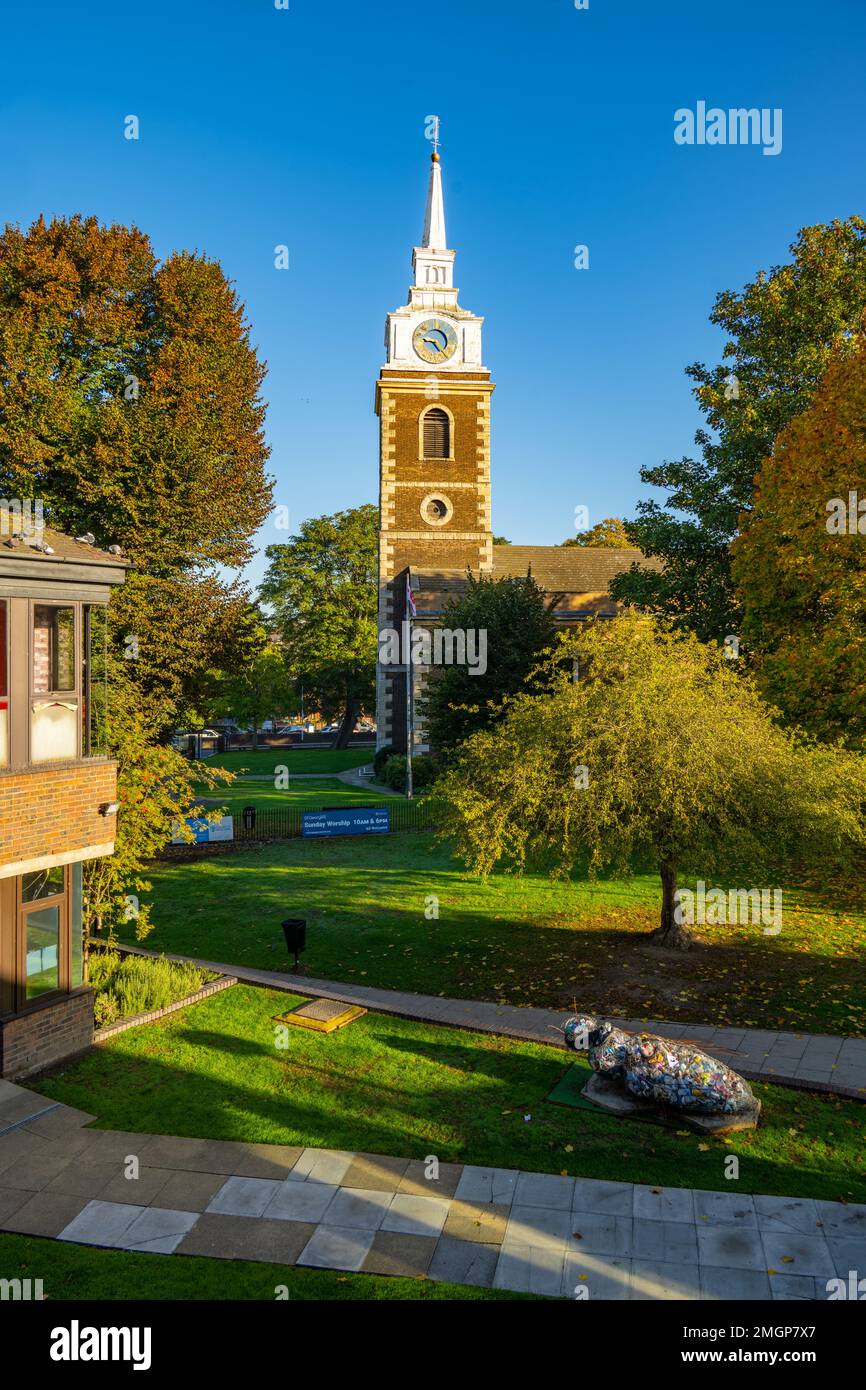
(262, 126)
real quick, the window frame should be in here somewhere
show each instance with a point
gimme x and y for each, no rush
(62, 902)
(422, 452)
(57, 696)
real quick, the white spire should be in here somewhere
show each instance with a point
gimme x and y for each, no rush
(433, 237)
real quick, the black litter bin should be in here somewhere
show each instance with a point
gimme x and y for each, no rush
(295, 932)
(249, 815)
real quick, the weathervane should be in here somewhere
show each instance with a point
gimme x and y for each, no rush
(432, 133)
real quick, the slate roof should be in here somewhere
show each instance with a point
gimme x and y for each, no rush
(581, 574)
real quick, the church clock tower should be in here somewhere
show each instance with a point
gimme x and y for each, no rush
(433, 402)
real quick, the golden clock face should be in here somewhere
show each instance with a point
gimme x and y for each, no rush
(434, 340)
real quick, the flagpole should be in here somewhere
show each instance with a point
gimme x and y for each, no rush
(410, 702)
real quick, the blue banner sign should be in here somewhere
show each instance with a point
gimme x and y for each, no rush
(354, 820)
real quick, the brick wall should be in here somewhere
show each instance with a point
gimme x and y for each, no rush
(31, 1042)
(54, 810)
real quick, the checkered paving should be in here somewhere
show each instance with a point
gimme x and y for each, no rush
(490, 1227)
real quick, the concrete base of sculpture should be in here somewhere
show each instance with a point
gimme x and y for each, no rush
(610, 1095)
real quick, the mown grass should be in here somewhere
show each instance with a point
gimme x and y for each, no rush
(76, 1272)
(392, 1086)
(304, 796)
(263, 761)
(401, 912)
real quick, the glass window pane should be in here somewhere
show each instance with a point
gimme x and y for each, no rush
(42, 883)
(76, 950)
(54, 731)
(94, 712)
(53, 648)
(43, 950)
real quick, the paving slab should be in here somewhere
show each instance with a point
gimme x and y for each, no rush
(600, 1233)
(375, 1171)
(296, 1201)
(530, 1269)
(415, 1216)
(487, 1185)
(464, 1262)
(730, 1247)
(101, 1223)
(849, 1219)
(44, 1214)
(238, 1238)
(158, 1230)
(726, 1209)
(787, 1214)
(165, 1151)
(664, 1203)
(794, 1253)
(592, 1278)
(84, 1179)
(664, 1241)
(141, 1190)
(187, 1191)
(328, 1166)
(336, 1247)
(751, 1285)
(658, 1281)
(244, 1196)
(482, 1222)
(416, 1182)
(265, 1160)
(610, 1198)
(395, 1254)
(42, 1169)
(11, 1198)
(786, 1287)
(537, 1226)
(360, 1208)
(544, 1190)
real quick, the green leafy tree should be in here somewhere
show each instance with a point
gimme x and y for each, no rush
(262, 689)
(517, 619)
(782, 331)
(658, 753)
(157, 789)
(322, 588)
(608, 534)
(800, 564)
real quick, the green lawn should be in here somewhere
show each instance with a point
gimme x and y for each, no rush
(525, 940)
(303, 796)
(73, 1272)
(296, 759)
(392, 1086)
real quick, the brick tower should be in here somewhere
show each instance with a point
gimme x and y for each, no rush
(433, 402)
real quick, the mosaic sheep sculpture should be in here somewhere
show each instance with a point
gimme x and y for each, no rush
(655, 1069)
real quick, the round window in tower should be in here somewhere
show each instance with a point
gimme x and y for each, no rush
(436, 509)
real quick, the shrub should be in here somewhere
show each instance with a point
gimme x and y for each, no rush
(130, 985)
(382, 756)
(424, 772)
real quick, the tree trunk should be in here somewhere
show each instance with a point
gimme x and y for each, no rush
(670, 932)
(348, 724)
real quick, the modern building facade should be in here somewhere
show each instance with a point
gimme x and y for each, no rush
(57, 787)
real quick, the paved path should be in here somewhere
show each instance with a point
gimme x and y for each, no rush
(489, 1227)
(808, 1061)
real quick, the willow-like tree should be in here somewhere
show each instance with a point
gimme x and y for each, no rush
(657, 753)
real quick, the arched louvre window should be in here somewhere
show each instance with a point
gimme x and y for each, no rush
(437, 434)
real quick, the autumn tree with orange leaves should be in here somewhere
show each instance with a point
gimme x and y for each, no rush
(130, 406)
(800, 565)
